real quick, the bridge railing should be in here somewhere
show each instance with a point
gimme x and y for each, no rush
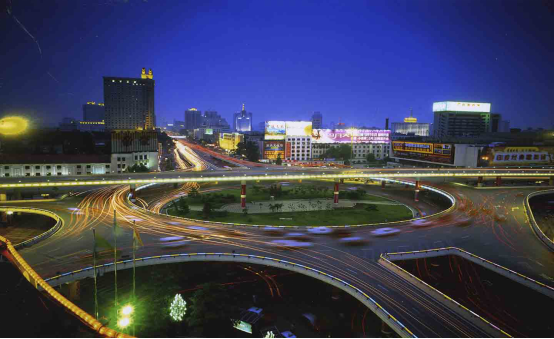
(15, 258)
(399, 174)
(387, 259)
(382, 313)
(531, 218)
(42, 236)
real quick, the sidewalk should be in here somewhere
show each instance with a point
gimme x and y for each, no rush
(297, 205)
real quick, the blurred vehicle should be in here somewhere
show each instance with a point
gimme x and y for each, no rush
(174, 242)
(277, 231)
(422, 223)
(354, 241)
(381, 232)
(296, 235)
(288, 334)
(341, 232)
(320, 230)
(290, 244)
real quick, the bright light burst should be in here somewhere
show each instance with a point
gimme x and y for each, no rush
(127, 310)
(123, 322)
(178, 308)
(13, 125)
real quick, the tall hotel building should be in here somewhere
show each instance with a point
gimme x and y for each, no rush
(129, 102)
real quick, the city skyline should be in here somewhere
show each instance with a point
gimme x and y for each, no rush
(291, 68)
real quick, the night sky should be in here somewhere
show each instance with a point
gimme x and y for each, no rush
(360, 61)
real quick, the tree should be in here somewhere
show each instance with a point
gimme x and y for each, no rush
(371, 207)
(207, 209)
(279, 161)
(249, 150)
(211, 312)
(178, 308)
(182, 206)
(343, 152)
(194, 192)
(245, 211)
(371, 157)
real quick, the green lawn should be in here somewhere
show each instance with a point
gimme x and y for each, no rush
(343, 216)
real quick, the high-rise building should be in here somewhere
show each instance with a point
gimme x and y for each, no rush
(193, 118)
(463, 119)
(410, 126)
(504, 126)
(212, 120)
(93, 111)
(317, 120)
(129, 102)
(242, 121)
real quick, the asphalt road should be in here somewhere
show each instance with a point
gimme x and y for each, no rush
(510, 243)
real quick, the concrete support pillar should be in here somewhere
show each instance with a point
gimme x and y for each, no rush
(498, 181)
(551, 181)
(417, 186)
(336, 192)
(132, 189)
(17, 194)
(479, 181)
(383, 183)
(3, 197)
(243, 194)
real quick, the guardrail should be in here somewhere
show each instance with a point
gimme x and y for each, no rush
(444, 193)
(387, 258)
(383, 314)
(531, 218)
(42, 236)
(303, 176)
(35, 280)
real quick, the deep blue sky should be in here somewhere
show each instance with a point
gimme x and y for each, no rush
(361, 61)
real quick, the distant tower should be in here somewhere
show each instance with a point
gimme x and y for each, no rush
(242, 121)
(317, 120)
(411, 118)
(387, 123)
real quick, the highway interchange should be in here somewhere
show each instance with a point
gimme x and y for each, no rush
(510, 243)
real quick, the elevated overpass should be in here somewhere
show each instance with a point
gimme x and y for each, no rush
(357, 267)
(269, 174)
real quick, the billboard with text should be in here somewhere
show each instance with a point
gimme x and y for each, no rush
(299, 128)
(517, 156)
(275, 130)
(425, 151)
(333, 136)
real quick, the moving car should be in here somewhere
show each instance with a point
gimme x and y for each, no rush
(381, 232)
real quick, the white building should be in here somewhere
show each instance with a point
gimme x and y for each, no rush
(45, 165)
(298, 147)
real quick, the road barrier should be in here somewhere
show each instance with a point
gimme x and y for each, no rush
(387, 259)
(383, 314)
(531, 218)
(433, 189)
(42, 236)
(303, 176)
(15, 258)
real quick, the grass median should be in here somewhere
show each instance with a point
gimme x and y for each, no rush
(359, 214)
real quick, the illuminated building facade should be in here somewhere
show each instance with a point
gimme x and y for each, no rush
(464, 119)
(242, 121)
(129, 102)
(411, 127)
(229, 141)
(133, 148)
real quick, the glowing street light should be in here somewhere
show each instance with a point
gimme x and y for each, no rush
(127, 310)
(13, 125)
(123, 322)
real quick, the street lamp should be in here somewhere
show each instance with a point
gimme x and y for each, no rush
(126, 313)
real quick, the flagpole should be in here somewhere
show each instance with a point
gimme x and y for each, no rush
(134, 267)
(115, 255)
(94, 270)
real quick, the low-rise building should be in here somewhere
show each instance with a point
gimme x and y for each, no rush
(45, 165)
